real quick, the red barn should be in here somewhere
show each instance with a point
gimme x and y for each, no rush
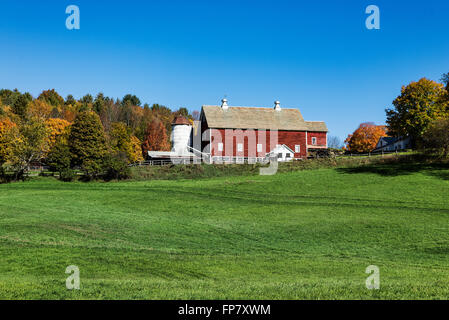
(233, 134)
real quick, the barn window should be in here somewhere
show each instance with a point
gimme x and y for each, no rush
(220, 146)
(259, 147)
(287, 155)
(314, 140)
(297, 148)
(240, 147)
(279, 155)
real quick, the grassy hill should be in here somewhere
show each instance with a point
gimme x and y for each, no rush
(299, 235)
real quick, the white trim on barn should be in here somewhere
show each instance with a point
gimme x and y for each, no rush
(282, 153)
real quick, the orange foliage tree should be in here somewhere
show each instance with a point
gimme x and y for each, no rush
(155, 137)
(365, 138)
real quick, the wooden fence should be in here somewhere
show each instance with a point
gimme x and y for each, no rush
(370, 154)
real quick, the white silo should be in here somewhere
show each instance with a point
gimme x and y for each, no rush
(181, 135)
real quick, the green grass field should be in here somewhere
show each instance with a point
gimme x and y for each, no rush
(299, 235)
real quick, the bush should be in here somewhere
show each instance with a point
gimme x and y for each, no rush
(115, 167)
(4, 177)
(59, 157)
(67, 175)
(193, 171)
(204, 171)
(92, 169)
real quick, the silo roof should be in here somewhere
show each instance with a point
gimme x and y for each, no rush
(181, 120)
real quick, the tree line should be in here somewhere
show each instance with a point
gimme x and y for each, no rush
(100, 136)
(420, 112)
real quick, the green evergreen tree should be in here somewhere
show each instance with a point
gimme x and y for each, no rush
(87, 143)
(131, 100)
(59, 157)
(70, 100)
(20, 106)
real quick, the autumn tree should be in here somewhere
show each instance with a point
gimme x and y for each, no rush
(28, 145)
(40, 109)
(144, 121)
(155, 138)
(120, 139)
(110, 113)
(136, 150)
(164, 114)
(6, 136)
(51, 97)
(140, 126)
(69, 112)
(418, 105)
(8, 133)
(365, 138)
(87, 143)
(56, 128)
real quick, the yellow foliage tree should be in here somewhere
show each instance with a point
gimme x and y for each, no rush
(121, 141)
(7, 135)
(55, 128)
(136, 153)
(419, 104)
(40, 109)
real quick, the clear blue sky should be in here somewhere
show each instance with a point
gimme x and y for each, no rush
(313, 55)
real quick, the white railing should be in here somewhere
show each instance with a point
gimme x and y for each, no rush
(239, 160)
(151, 163)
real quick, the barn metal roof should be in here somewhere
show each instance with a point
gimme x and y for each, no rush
(316, 126)
(259, 118)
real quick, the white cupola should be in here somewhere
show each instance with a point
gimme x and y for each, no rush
(224, 104)
(277, 106)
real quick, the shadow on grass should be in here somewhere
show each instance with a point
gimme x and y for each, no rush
(398, 167)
